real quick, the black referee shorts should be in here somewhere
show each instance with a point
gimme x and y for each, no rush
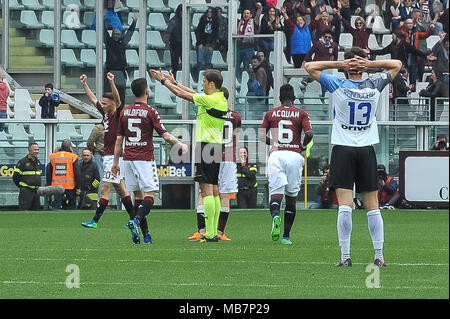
(207, 164)
(353, 165)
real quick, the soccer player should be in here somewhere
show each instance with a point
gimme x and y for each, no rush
(212, 107)
(227, 175)
(285, 163)
(110, 109)
(353, 159)
(136, 126)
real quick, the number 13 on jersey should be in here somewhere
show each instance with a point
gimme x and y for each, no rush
(365, 107)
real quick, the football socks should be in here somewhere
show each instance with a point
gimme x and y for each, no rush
(376, 229)
(289, 217)
(143, 224)
(201, 218)
(126, 201)
(210, 207)
(101, 206)
(216, 213)
(144, 208)
(344, 227)
(275, 205)
(223, 218)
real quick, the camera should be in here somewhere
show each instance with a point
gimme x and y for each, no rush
(442, 145)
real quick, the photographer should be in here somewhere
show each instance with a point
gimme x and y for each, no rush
(441, 143)
(388, 193)
(326, 197)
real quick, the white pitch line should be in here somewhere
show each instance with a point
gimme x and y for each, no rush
(210, 261)
(208, 284)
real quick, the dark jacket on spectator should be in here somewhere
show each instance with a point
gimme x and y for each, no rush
(115, 50)
(360, 37)
(399, 51)
(322, 53)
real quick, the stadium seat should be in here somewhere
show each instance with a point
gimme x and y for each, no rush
(88, 37)
(166, 58)
(9, 104)
(153, 60)
(68, 131)
(46, 38)
(373, 43)
(89, 4)
(133, 5)
(29, 20)
(75, 3)
(341, 55)
(295, 82)
(49, 4)
(18, 132)
(383, 57)
(38, 131)
(432, 40)
(130, 21)
(346, 40)
(33, 5)
(69, 39)
(195, 20)
(386, 40)
(71, 20)
(88, 57)
(69, 59)
(88, 18)
(156, 21)
(134, 41)
(217, 61)
(157, 6)
(64, 115)
(132, 58)
(14, 5)
(314, 88)
(86, 130)
(378, 26)
(48, 19)
(173, 4)
(154, 40)
(421, 85)
(163, 96)
(22, 104)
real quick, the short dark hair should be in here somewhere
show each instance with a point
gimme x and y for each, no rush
(354, 51)
(214, 76)
(287, 93)
(48, 85)
(65, 145)
(139, 86)
(108, 95)
(31, 144)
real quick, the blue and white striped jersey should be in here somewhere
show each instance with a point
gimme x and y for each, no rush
(354, 108)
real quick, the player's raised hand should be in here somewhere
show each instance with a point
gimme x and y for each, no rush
(157, 74)
(83, 78)
(110, 77)
(169, 76)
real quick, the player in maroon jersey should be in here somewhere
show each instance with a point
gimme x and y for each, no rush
(136, 126)
(110, 109)
(285, 163)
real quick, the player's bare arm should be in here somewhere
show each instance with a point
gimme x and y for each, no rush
(87, 90)
(115, 92)
(117, 151)
(169, 76)
(172, 140)
(159, 75)
(307, 138)
(392, 66)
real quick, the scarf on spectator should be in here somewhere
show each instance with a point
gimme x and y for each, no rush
(325, 44)
(247, 28)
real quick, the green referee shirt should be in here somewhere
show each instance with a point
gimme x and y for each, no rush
(210, 116)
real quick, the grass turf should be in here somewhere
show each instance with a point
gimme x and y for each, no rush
(38, 246)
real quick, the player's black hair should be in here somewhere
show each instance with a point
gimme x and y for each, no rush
(287, 94)
(108, 95)
(214, 76)
(48, 85)
(354, 51)
(138, 87)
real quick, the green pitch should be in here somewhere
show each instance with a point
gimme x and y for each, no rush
(37, 247)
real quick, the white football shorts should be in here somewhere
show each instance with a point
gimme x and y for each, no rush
(228, 178)
(284, 170)
(108, 161)
(141, 176)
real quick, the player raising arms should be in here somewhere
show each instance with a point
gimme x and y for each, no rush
(353, 159)
(285, 163)
(136, 126)
(110, 109)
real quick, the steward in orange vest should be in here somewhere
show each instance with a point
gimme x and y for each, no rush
(63, 170)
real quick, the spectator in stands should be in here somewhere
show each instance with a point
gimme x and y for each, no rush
(89, 181)
(399, 49)
(253, 5)
(270, 23)
(326, 198)
(441, 143)
(388, 192)
(416, 65)
(400, 88)
(300, 38)
(395, 13)
(406, 10)
(27, 176)
(116, 60)
(264, 62)
(63, 170)
(207, 34)
(4, 94)
(247, 185)
(443, 19)
(222, 35)
(111, 17)
(95, 144)
(348, 8)
(441, 51)
(322, 24)
(360, 33)
(174, 39)
(436, 88)
(246, 46)
(48, 102)
(257, 83)
(291, 8)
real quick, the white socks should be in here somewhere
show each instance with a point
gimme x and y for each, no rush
(376, 229)
(344, 227)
